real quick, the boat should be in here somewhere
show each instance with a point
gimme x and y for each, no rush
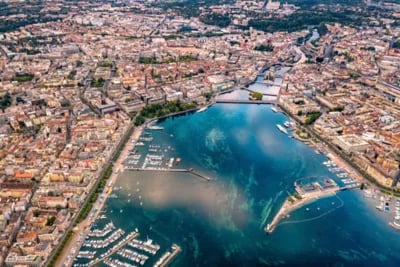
(155, 127)
(283, 130)
(139, 144)
(171, 162)
(202, 109)
(287, 124)
(177, 161)
(307, 209)
(274, 109)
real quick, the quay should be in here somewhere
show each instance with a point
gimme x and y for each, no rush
(305, 194)
(237, 101)
(191, 171)
(111, 252)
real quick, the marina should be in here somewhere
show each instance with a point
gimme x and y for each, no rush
(129, 250)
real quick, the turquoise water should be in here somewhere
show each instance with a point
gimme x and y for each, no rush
(253, 167)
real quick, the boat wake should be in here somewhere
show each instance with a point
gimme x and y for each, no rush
(316, 217)
(265, 213)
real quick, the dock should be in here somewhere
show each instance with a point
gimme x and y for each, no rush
(190, 171)
(171, 255)
(111, 252)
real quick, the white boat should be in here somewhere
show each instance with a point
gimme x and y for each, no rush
(287, 124)
(274, 109)
(171, 162)
(154, 127)
(202, 109)
(282, 129)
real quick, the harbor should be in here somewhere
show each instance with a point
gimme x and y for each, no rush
(154, 192)
(149, 156)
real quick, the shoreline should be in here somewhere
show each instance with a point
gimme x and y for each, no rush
(323, 147)
(83, 228)
(283, 211)
(118, 167)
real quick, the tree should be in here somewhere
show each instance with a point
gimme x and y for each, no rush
(50, 220)
(256, 95)
(139, 120)
(311, 117)
(220, 20)
(264, 48)
(36, 213)
(5, 101)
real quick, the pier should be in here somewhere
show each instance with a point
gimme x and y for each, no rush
(114, 250)
(168, 257)
(306, 194)
(191, 171)
(238, 101)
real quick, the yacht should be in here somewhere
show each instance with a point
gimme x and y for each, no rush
(287, 124)
(202, 109)
(282, 129)
(154, 127)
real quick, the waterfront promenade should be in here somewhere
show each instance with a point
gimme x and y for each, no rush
(71, 249)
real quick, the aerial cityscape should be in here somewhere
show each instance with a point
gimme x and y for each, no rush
(199, 133)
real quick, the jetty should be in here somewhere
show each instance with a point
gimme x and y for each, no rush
(305, 193)
(191, 171)
(114, 250)
(168, 256)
